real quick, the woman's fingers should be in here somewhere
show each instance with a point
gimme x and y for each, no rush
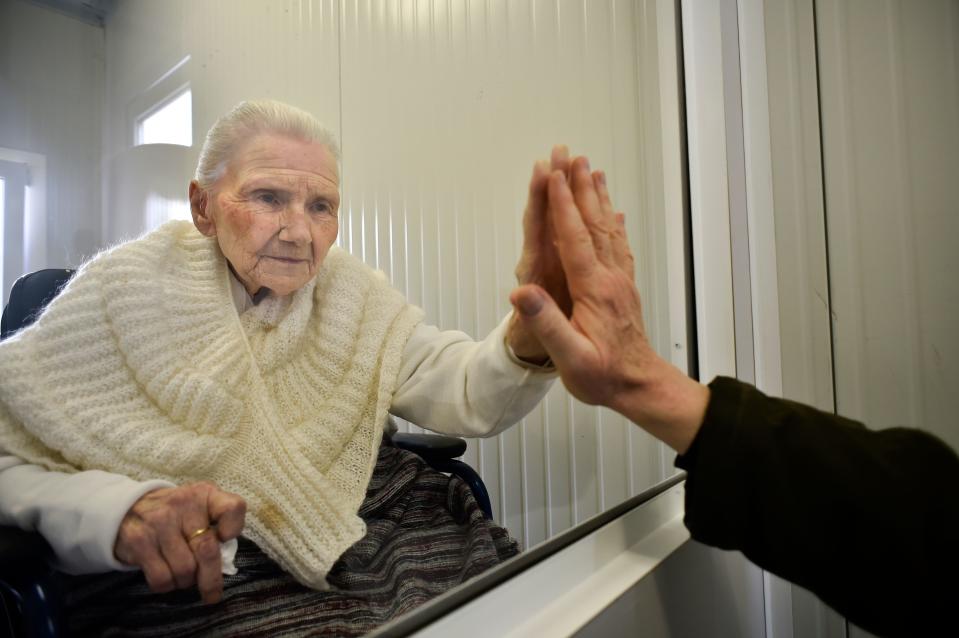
(174, 535)
(137, 545)
(178, 556)
(535, 213)
(209, 570)
(229, 512)
(157, 573)
(559, 159)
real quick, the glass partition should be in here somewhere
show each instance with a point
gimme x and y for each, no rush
(441, 108)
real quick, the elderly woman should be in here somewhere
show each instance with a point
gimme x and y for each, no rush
(232, 377)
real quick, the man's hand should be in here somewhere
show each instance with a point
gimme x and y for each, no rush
(601, 348)
(539, 262)
(174, 535)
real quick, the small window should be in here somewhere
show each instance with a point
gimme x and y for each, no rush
(171, 122)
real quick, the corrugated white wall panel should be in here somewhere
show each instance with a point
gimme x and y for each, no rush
(445, 107)
(442, 106)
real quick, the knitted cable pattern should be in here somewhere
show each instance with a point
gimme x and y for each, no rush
(141, 366)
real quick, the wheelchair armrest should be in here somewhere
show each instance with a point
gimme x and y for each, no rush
(441, 452)
(22, 554)
(30, 594)
(430, 446)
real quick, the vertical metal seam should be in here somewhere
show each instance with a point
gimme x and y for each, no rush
(736, 194)
(825, 211)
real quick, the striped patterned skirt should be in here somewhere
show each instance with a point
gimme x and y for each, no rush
(425, 535)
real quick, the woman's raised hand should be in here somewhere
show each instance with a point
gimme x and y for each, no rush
(539, 262)
(174, 535)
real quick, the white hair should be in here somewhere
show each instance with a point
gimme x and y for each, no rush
(247, 119)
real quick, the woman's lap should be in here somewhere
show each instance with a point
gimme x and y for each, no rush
(425, 534)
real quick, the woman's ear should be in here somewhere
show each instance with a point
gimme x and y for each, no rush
(200, 209)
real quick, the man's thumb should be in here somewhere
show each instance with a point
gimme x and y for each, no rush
(543, 318)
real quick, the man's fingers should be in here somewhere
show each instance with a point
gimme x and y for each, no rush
(543, 318)
(228, 511)
(605, 205)
(621, 251)
(588, 202)
(573, 240)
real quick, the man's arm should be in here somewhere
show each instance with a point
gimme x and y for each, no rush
(868, 520)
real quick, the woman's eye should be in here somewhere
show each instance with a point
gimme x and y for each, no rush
(321, 207)
(267, 198)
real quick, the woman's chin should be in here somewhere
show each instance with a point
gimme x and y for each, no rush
(283, 285)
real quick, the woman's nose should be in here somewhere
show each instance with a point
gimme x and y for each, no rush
(294, 225)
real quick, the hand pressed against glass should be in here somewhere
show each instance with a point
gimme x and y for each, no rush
(273, 211)
(601, 349)
(539, 263)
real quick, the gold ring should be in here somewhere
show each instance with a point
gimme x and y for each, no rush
(197, 533)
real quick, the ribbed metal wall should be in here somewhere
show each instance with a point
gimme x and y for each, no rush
(442, 107)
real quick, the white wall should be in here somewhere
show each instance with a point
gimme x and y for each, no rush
(866, 215)
(441, 108)
(51, 86)
(890, 106)
(800, 227)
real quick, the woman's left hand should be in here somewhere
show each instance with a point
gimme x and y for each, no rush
(539, 262)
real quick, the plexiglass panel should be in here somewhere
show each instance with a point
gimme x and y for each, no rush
(441, 107)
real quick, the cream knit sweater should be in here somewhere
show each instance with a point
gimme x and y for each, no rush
(142, 367)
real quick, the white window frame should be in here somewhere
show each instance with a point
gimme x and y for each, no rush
(159, 93)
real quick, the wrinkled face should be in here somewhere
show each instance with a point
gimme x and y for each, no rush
(273, 212)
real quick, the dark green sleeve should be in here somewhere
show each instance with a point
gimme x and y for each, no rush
(867, 520)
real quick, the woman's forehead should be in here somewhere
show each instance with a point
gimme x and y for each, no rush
(285, 157)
